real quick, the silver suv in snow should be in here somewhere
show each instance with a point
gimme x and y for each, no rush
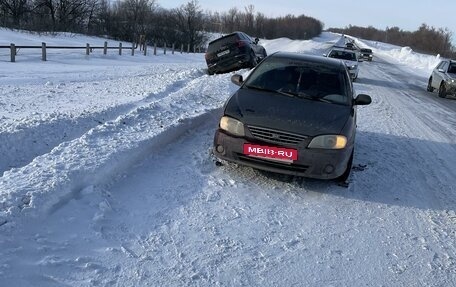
(349, 57)
(443, 78)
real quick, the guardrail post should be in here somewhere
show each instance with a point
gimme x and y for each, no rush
(182, 48)
(120, 48)
(155, 49)
(13, 52)
(188, 48)
(145, 49)
(105, 48)
(164, 50)
(133, 48)
(43, 51)
(173, 49)
(87, 49)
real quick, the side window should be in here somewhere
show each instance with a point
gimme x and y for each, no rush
(445, 66)
(440, 66)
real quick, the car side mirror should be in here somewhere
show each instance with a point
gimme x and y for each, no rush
(237, 79)
(362, 100)
(441, 70)
(324, 55)
(257, 40)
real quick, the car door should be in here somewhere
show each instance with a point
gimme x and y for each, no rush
(439, 74)
(256, 48)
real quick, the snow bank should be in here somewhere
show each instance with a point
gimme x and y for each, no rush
(317, 45)
(403, 55)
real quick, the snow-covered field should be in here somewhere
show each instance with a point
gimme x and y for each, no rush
(107, 178)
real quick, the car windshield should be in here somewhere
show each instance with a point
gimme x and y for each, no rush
(219, 43)
(452, 69)
(344, 55)
(305, 80)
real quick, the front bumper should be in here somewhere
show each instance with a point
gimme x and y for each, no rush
(451, 88)
(313, 163)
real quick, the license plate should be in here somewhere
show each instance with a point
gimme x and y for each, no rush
(226, 52)
(272, 153)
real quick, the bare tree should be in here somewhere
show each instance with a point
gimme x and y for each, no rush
(190, 23)
(14, 10)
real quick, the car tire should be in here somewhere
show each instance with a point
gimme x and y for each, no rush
(442, 90)
(429, 86)
(253, 60)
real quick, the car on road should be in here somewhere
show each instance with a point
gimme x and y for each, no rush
(443, 78)
(294, 114)
(349, 57)
(232, 52)
(366, 54)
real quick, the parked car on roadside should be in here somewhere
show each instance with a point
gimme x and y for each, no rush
(366, 54)
(349, 57)
(443, 78)
(294, 114)
(234, 51)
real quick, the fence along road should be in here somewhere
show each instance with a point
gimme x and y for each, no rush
(14, 49)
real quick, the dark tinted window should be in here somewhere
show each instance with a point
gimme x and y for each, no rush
(222, 42)
(344, 55)
(452, 69)
(300, 78)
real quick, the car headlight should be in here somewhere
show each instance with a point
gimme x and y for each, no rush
(328, 142)
(352, 67)
(232, 126)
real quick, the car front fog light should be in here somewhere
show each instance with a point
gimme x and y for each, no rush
(328, 142)
(232, 126)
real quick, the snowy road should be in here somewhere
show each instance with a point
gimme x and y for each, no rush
(168, 216)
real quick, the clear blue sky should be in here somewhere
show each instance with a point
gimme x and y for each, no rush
(406, 14)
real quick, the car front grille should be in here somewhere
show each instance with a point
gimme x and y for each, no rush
(274, 136)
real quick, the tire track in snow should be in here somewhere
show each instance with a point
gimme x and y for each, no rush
(423, 132)
(53, 179)
(38, 137)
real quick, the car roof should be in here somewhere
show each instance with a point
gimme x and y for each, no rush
(336, 48)
(227, 35)
(328, 62)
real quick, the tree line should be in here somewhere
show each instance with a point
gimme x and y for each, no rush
(425, 39)
(126, 20)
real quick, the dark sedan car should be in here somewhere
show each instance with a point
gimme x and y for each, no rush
(294, 114)
(234, 51)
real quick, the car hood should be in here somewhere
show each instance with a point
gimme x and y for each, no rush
(291, 114)
(349, 63)
(452, 76)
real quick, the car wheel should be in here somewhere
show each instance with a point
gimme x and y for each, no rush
(253, 60)
(429, 86)
(442, 90)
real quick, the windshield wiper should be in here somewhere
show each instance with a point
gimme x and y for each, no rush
(291, 94)
(313, 98)
(288, 94)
